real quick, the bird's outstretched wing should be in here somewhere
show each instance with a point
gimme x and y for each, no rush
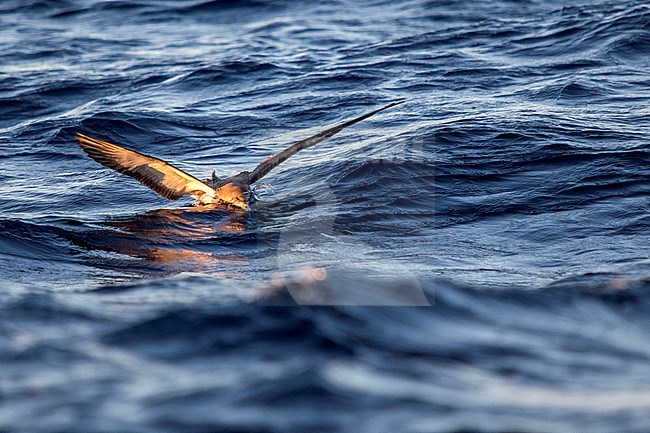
(275, 160)
(163, 178)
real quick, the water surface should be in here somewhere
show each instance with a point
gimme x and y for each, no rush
(473, 260)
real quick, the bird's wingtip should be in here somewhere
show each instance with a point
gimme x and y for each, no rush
(393, 104)
(80, 136)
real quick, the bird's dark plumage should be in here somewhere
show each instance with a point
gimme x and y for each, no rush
(173, 183)
(162, 177)
(270, 163)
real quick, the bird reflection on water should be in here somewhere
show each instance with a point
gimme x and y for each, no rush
(167, 242)
(186, 224)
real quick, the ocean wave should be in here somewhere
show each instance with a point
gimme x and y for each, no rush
(478, 249)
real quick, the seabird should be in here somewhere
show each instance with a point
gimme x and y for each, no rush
(173, 183)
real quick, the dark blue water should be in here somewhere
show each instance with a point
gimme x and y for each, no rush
(475, 259)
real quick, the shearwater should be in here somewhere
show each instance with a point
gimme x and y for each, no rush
(173, 183)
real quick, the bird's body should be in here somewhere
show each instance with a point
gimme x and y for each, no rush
(173, 183)
(235, 190)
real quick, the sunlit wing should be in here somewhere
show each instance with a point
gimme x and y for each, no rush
(163, 178)
(275, 160)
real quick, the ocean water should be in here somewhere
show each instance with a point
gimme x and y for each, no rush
(475, 259)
